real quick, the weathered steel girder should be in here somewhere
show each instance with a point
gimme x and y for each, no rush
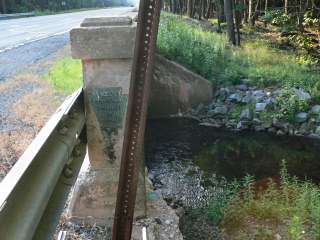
(143, 61)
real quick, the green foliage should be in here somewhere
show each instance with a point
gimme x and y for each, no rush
(309, 19)
(200, 51)
(295, 228)
(303, 42)
(66, 75)
(299, 202)
(290, 104)
(286, 22)
(270, 16)
(51, 6)
(286, 28)
(207, 54)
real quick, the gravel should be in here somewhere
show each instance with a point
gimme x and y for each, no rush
(21, 56)
(7, 100)
(28, 57)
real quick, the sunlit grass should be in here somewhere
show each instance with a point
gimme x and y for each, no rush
(66, 75)
(256, 63)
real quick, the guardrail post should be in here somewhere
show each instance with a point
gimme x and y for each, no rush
(105, 46)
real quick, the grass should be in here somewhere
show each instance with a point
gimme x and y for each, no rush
(31, 114)
(48, 12)
(256, 63)
(263, 209)
(66, 75)
(32, 111)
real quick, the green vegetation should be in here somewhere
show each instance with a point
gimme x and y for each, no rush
(261, 209)
(66, 75)
(51, 6)
(257, 63)
(48, 12)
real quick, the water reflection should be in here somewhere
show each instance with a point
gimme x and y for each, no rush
(188, 162)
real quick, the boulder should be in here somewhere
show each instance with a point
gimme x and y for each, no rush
(242, 87)
(272, 130)
(258, 128)
(200, 110)
(259, 99)
(301, 117)
(313, 136)
(266, 124)
(209, 124)
(317, 131)
(259, 93)
(300, 93)
(279, 123)
(280, 133)
(248, 98)
(242, 125)
(261, 106)
(246, 114)
(236, 97)
(303, 128)
(271, 100)
(315, 109)
(277, 92)
(217, 111)
(256, 121)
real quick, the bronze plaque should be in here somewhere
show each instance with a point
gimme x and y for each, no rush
(109, 105)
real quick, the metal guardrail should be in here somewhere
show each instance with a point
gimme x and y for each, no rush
(17, 15)
(33, 194)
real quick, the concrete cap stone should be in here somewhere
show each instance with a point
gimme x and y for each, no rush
(104, 38)
(106, 21)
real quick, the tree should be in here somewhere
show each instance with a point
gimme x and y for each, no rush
(229, 17)
(3, 6)
(286, 5)
(251, 14)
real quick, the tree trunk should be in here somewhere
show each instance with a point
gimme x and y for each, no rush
(245, 12)
(4, 10)
(251, 14)
(236, 14)
(266, 7)
(172, 6)
(190, 8)
(219, 17)
(199, 9)
(209, 9)
(256, 11)
(204, 9)
(229, 17)
(286, 5)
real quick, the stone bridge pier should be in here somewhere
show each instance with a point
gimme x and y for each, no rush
(105, 46)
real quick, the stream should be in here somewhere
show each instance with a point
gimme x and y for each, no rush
(187, 162)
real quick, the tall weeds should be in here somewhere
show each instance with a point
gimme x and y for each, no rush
(257, 63)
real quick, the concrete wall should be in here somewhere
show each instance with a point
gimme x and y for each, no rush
(175, 89)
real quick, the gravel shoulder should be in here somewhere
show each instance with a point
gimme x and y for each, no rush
(27, 101)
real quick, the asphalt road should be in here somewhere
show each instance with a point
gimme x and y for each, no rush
(27, 40)
(19, 31)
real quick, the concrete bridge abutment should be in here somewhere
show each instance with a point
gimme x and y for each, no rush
(105, 46)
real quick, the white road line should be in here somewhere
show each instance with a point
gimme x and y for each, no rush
(33, 40)
(32, 31)
(29, 26)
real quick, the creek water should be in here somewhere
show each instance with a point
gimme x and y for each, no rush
(188, 162)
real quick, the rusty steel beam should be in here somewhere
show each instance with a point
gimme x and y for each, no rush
(142, 67)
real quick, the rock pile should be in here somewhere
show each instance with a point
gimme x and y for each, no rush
(240, 108)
